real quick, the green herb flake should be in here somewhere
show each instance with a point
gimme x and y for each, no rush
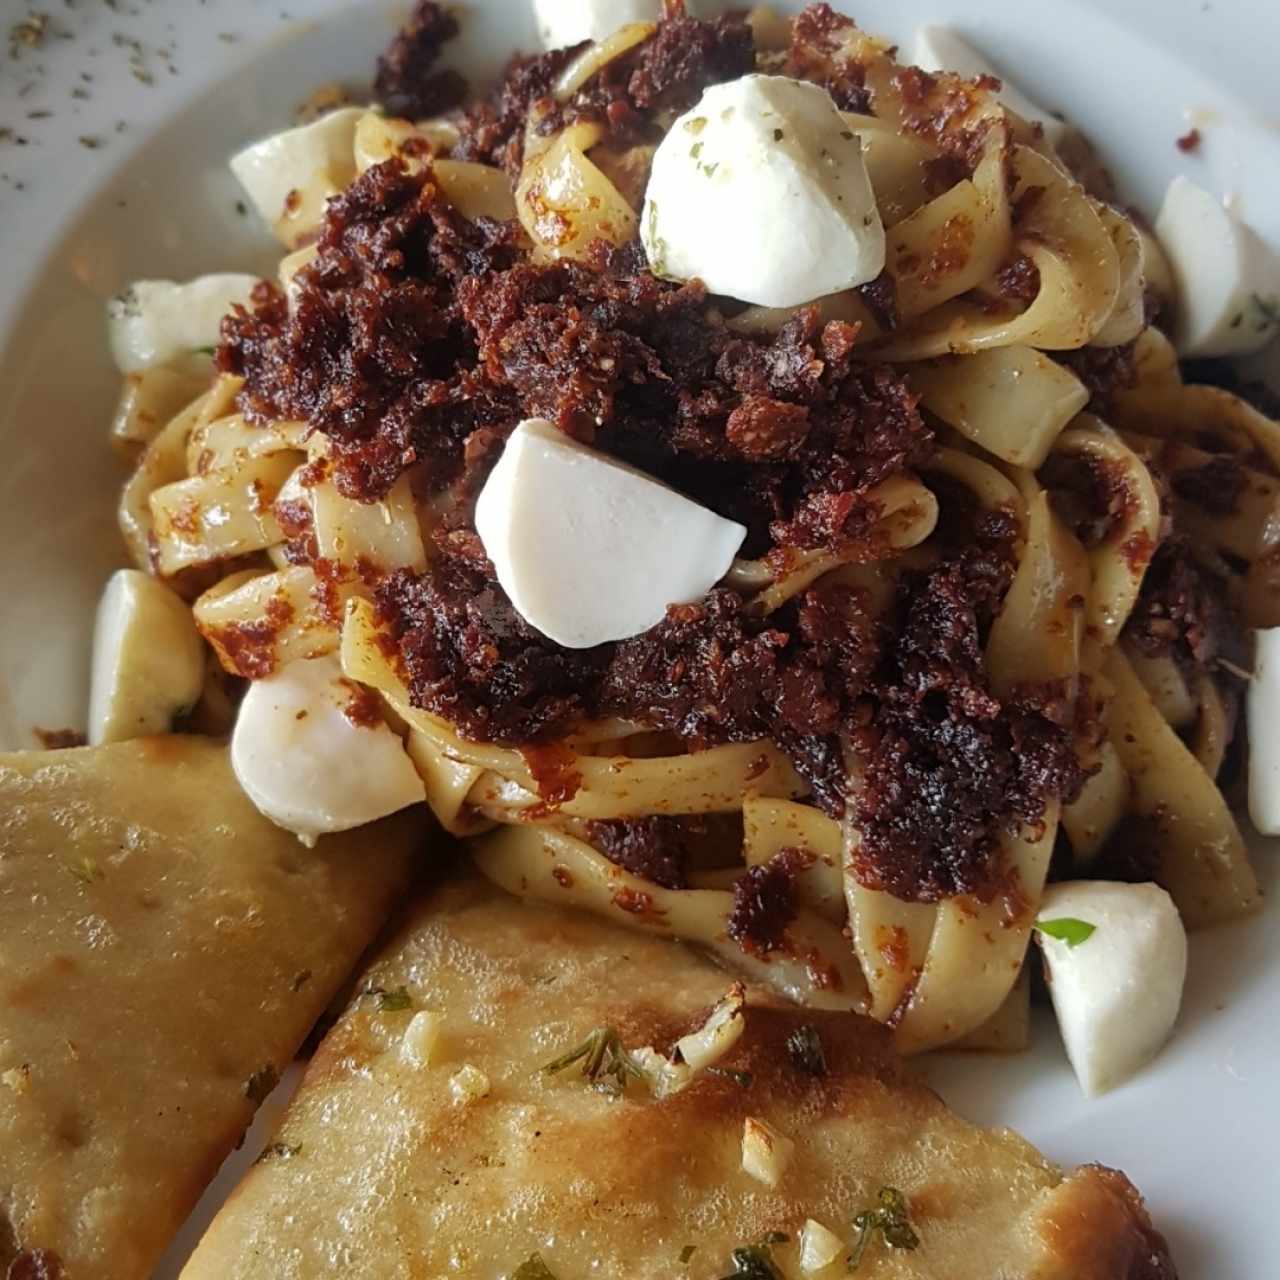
(533, 1269)
(696, 125)
(686, 1254)
(606, 1064)
(1066, 929)
(778, 135)
(655, 246)
(696, 150)
(804, 1047)
(205, 351)
(259, 1085)
(396, 1001)
(1268, 311)
(278, 1151)
(86, 870)
(890, 1220)
(710, 169)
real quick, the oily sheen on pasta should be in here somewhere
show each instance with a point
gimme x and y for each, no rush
(986, 626)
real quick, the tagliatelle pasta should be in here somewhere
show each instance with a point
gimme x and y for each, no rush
(997, 551)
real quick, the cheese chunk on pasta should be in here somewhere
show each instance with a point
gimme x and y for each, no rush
(567, 22)
(1228, 280)
(761, 192)
(148, 659)
(313, 753)
(398, 1179)
(1116, 958)
(164, 950)
(590, 550)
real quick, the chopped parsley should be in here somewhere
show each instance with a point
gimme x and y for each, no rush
(606, 1064)
(1268, 310)
(205, 351)
(890, 1220)
(86, 870)
(1066, 929)
(804, 1046)
(533, 1269)
(396, 1001)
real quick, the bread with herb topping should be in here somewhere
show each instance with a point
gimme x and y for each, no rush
(384, 1162)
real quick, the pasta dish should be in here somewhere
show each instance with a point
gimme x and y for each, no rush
(982, 630)
(729, 483)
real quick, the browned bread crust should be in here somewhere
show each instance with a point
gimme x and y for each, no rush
(163, 952)
(377, 1162)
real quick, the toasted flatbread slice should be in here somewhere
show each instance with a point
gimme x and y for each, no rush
(399, 1171)
(163, 952)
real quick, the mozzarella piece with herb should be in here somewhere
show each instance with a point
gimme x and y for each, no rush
(159, 322)
(567, 22)
(1116, 959)
(1228, 280)
(291, 174)
(148, 660)
(1264, 733)
(589, 550)
(307, 755)
(940, 49)
(761, 192)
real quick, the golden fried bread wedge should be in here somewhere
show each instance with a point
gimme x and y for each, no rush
(401, 1170)
(163, 952)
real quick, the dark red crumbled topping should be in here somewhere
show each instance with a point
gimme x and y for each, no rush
(419, 339)
(948, 769)
(816, 37)
(1019, 280)
(666, 73)
(764, 903)
(655, 848)
(1092, 496)
(406, 83)
(1215, 487)
(1105, 371)
(1183, 612)
(1189, 141)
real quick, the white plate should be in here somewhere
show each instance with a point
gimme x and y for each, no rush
(173, 89)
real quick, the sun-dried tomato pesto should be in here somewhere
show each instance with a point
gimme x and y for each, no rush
(1183, 612)
(419, 339)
